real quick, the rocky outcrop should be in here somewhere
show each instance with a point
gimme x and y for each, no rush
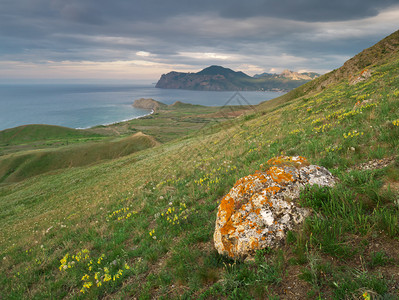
(260, 208)
(364, 75)
(297, 76)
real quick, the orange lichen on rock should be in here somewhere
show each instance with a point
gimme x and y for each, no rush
(279, 175)
(282, 160)
(272, 189)
(228, 227)
(254, 244)
(364, 72)
(227, 208)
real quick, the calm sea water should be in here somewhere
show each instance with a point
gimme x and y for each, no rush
(87, 105)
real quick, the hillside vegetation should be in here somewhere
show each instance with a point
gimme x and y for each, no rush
(14, 168)
(38, 136)
(141, 226)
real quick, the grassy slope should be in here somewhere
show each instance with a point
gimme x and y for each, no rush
(15, 168)
(175, 121)
(348, 248)
(42, 136)
(33, 133)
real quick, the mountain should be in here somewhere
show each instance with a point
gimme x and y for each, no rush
(263, 74)
(213, 78)
(217, 78)
(289, 75)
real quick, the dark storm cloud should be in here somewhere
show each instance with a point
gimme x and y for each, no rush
(308, 10)
(97, 11)
(312, 33)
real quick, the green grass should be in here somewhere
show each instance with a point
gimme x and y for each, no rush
(30, 137)
(33, 133)
(20, 166)
(333, 256)
(175, 121)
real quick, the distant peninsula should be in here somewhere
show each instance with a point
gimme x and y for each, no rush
(217, 78)
(148, 103)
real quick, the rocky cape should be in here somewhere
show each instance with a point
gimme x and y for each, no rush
(148, 103)
(217, 78)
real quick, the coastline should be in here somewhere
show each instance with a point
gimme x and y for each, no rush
(92, 99)
(117, 122)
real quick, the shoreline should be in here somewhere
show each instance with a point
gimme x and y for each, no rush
(116, 122)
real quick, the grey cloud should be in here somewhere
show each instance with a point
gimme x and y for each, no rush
(309, 10)
(257, 31)
(304, 10)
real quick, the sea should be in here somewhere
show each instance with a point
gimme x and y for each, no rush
(88, 105)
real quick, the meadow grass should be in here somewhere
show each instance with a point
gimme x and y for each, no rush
(149, 217)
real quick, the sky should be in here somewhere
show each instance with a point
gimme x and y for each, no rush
(139, 40)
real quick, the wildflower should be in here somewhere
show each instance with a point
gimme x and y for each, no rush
(366, 296)
(87, 285)
(85, 277)
(107, 277)
(352, 134)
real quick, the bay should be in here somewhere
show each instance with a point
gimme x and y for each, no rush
(87, 105)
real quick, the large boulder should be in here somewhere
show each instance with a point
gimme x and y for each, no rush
(260, 208)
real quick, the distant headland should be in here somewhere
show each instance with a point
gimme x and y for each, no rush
(217, 78)
(148, 103)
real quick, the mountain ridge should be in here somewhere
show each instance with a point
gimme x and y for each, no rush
(218, 78)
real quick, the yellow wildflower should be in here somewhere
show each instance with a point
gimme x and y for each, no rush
(107, 277)
(85, 277)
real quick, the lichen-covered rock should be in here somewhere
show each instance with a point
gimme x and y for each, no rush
(261, 208)
(364, 75)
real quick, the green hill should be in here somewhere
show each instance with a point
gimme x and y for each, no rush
(29, 137)
(17, 167)
(141, 226)
(33, 133)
